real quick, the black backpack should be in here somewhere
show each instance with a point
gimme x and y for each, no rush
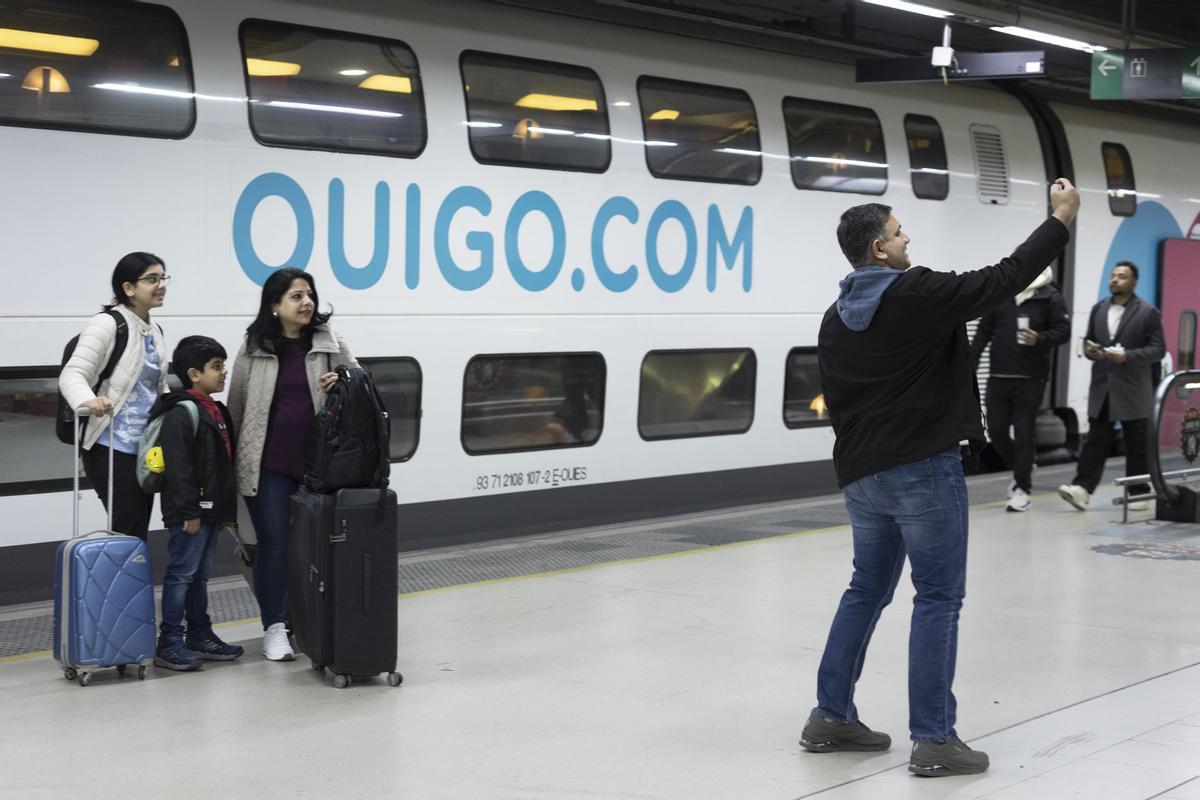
(64, 421)
(350, 437)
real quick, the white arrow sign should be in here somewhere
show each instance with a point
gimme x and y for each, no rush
(1105, 66)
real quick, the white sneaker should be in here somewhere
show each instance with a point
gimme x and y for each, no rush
(1012, 487)
(1139, 505)
(276, 646)
(1075, 495)
(1019, 501)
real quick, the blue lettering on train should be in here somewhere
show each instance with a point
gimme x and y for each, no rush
(669, 221)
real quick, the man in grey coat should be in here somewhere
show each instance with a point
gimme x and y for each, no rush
(1124, 341)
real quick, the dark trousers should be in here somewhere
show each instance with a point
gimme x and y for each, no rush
(1014, 402)
(185, 586)
(269, 510)
(131, 506)
(1099, 442)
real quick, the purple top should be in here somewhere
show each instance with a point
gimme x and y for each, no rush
(286, 449)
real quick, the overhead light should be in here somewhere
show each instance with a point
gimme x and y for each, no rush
(352, 73)
(474, 124)
(1049, 38)
(915, 8)
(387, 83)
(47, 42)
(5, 75)
(665, 114)
(554, 102)
(365, 112)
(174, 62)
(622, 104)
(842, 162)
(46, 79)
(536, 129)
(266, 68)
(133, 88)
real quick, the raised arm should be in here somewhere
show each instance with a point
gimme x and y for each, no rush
(83, 368)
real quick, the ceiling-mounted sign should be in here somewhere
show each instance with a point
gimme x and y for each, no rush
(1168, 73)
(966, 67)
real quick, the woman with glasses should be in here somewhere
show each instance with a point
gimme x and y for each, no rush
(279, 379)
(139, 284)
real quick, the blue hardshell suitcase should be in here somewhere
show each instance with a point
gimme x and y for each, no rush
(103, 598)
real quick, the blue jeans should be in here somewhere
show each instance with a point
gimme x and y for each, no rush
(269, 511)
(918, 510)
(185, 586)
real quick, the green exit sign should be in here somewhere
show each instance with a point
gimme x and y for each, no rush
(1147, 74)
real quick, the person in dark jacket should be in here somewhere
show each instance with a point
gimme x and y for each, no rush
(199, 495)
(1023, 333)
(896, 372)
(1124, 341)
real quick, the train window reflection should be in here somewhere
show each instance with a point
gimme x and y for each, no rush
(28, 401)
(1118, 171)
(699, 133)
(803, 400)
(95, 65)
(926, 157)
(530, 113)
(328, 90)
(399, 383)
(532, 402)
(696, 393)
(835, 147)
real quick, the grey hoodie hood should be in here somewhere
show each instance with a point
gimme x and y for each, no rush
(861, 292)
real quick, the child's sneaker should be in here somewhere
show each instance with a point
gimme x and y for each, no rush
(174, 654)
(276, 646)
(209, 647)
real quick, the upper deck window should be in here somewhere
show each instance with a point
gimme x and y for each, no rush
(699, 133)
(328, 90)
(835, 147)
(926, 157)
(530, 113)
(96, 66)
(1118, 172)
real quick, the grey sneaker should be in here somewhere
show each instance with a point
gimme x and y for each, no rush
(1075, 494)
(936, 759)
(822, 735)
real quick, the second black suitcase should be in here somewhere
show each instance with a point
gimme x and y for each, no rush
(342, 582)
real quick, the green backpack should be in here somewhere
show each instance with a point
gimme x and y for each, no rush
(150, 465)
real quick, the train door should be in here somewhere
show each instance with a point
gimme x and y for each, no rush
(1179, 296)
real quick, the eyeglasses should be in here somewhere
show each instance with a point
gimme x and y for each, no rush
(156, 279)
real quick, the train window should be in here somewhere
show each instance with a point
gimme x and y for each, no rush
(991, 165)
(1118, 171)
(530, 113)
(532, 402)
(803, 400)
(328, 90)
(696, 393)
(95, 65)
(32, 454)
(926, 157)
(697, 132)
(399, 383)
(835, 147)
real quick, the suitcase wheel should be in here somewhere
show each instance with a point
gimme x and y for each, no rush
(141, 672)
(317, 667)
(70, 673)
(85, 678)
(341, 681)
(395, 679)
(121, 669)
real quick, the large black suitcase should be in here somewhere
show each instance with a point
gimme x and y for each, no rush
(342, 582)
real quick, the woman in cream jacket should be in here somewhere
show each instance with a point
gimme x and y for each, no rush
(139, 284)
(279, 379)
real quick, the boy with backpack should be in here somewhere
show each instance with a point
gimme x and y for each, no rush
(199, 493)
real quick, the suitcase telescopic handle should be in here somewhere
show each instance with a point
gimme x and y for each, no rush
(76, 457)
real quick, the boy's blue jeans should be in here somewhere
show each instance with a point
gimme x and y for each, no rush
(918, 509)
(185, 586)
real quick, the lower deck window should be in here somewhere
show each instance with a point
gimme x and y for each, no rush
(803, 400)
(399, 383)
(32, 453)
(696, 393)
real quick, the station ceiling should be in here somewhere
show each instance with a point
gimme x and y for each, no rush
(847, 30)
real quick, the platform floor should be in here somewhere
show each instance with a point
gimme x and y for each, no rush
(685, 669)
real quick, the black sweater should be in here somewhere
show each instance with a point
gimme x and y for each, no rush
(904, 388)
(1047, 315)
(199, 478)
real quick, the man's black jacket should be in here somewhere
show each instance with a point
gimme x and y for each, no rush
(199, 479)
(1048, 316)
(904, 388)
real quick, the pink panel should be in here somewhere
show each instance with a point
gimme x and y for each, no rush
(1179, 285)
